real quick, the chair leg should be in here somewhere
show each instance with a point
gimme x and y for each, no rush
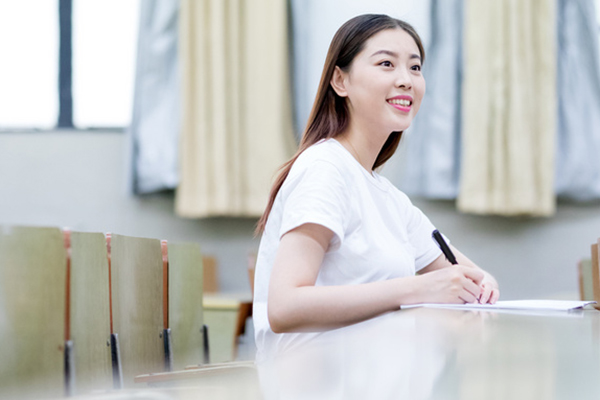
(205, 343)
(69, 369)
(116, 361)
(168, 343)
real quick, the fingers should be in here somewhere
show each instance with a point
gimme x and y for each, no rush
(495, 296)
(475, 275)
(465, 288)
(489, 294)
(460, 284)
(473, 289)
(486, 293)
(468, 297)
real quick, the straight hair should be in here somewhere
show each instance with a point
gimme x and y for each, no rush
(330, 116)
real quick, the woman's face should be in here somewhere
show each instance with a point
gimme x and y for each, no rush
(384, 85)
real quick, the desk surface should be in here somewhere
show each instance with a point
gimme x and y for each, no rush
(436, 354)
(449, 354)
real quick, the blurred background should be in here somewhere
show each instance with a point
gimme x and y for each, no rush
(168, 119)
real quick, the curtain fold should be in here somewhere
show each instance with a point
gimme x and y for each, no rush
(155, 123)
(509, 108)
(237, 122)
(578, 150)
(428, 161)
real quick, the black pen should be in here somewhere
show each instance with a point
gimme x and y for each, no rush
(437, 236)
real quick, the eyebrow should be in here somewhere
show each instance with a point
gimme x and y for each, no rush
(394, 54)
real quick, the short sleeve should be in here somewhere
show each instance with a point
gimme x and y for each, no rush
(316, 194)
(419, 230)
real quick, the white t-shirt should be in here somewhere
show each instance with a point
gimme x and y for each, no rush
(378, 233)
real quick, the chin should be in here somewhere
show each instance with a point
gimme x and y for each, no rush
(401, 127)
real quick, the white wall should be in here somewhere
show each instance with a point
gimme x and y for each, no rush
(80, 180)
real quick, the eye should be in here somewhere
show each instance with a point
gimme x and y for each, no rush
(416, 67)
(386, 63)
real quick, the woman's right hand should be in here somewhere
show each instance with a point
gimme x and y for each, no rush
(455, 284)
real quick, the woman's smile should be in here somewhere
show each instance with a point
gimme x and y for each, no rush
(387, 69)
(402, 103)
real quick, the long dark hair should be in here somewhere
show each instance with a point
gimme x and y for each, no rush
(330, 115)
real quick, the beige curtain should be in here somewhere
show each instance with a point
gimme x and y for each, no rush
(237, 120)
(509, 108)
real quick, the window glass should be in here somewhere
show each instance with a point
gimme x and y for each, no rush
(104, 53)
(29, 64)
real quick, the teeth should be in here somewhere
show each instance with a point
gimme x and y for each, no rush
(400, 102)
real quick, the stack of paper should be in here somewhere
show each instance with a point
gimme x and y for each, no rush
(550, 305)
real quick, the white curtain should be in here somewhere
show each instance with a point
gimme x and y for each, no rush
(578, 147)
(156, 118)
(509, 108)
(237, 115)
(428, 161)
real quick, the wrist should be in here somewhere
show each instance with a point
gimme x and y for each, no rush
(410, 288)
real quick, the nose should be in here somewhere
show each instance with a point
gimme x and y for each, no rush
(403, 79)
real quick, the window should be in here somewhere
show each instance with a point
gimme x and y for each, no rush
(104, 53)
(103, 38)
(29, 67)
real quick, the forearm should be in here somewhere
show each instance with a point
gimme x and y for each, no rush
(315, 308)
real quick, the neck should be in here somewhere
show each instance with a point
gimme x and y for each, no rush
(364, 146)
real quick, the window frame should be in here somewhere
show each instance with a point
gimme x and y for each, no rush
(64, 120)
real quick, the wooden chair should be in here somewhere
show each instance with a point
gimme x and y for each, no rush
(185, 315)
(222, 315)
(225, 314)
(595, 275)
(136, 276)
(210, 275)
(186, 303)
(251, 270)
(32, 312)
(586, 284)
(88, 313)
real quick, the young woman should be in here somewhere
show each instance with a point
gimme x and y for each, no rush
(340, 243)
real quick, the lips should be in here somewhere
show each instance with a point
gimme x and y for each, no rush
(402, 103)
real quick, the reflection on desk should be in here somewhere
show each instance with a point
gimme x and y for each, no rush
(445, 354)
(420, 353)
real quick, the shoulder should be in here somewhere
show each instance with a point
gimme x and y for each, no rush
(324, 158)
(328, 150)
(320, 173)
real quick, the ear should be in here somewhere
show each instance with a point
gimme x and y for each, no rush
(338, 82)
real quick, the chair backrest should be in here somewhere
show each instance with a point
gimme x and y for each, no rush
(185, 304)
(596, 272)
(32, 312)
(251, 269)
(89, 306)
(137, 304)
(211, 274)
(586, 284)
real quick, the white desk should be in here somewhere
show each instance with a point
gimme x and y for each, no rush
(448, 354)
(424, 354)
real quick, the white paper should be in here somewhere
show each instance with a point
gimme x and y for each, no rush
(553, 305)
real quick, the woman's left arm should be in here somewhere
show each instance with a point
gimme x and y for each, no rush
(489, 286)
